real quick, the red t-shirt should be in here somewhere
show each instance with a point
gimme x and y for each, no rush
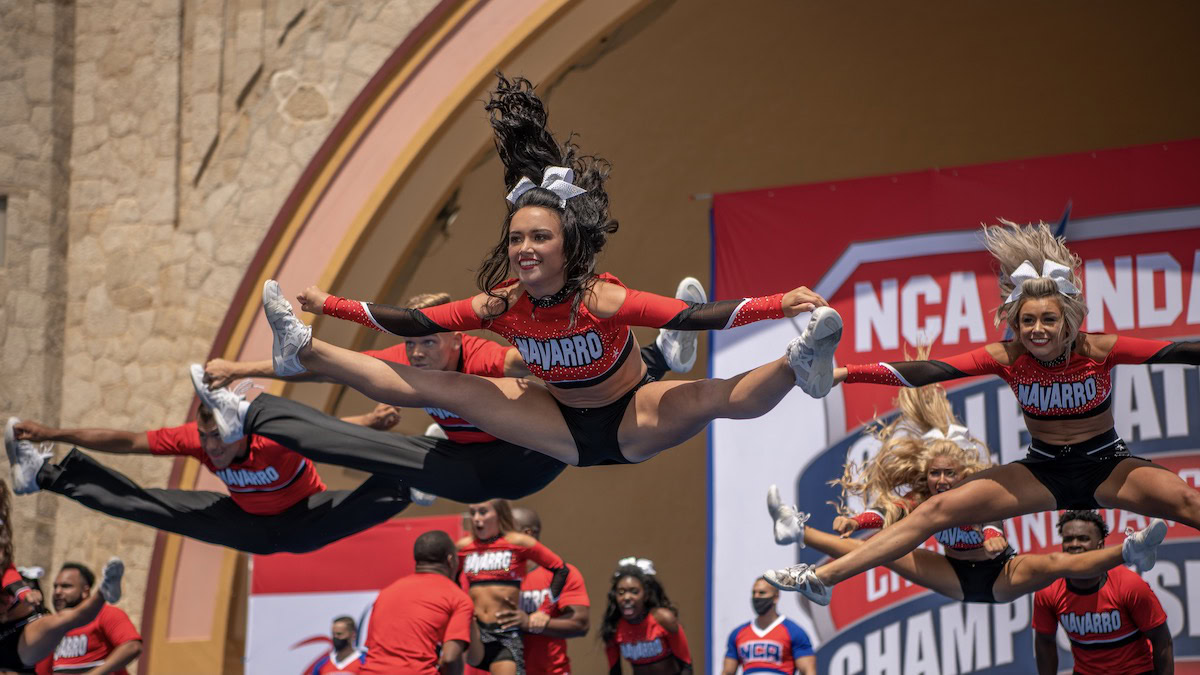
(269, 481)
(548, 655)
(411, 620)
(89, 645)
(479, 357)
(1106, 627)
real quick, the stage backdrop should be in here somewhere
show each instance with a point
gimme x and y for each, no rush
(294, 598)
(901, 259)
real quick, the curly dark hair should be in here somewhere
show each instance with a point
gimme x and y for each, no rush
(1086, 515)
(654, 594)
(526, 148)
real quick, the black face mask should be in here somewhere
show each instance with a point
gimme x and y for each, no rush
(762, 605)
(340, 643)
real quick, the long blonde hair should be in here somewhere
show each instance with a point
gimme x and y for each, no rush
(1012, 244)
(904, 456)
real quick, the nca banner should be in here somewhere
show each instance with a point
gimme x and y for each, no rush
(295, 598)
(901, 259)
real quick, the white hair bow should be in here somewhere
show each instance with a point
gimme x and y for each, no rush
(959, 435)
(645, 564)
(1061, 274)
(556, 179)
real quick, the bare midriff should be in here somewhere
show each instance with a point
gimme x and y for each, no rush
(617, 385)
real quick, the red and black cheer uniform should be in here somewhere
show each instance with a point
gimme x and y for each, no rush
(478, 357)
(646, 641)
(276, 502)
(88, 646)
(501, 562)
(1079, 388)
(569, 351)
(1106, 625)
(975, 577)
(13, 588)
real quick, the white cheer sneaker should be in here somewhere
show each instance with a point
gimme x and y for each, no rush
(25, 459)
(801, 578)
(290, 333)
(1140, 548)
(811, 354)
(680, 346)
(227, 407)
(789, 523)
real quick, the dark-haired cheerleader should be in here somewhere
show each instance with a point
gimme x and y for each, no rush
(571, 324)
(641, 625)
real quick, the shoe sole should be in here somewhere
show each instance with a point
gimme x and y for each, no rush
(826, 336)
(197, 373)
(1155, 534)
(10, 439)
(271, 291)
(687, 283)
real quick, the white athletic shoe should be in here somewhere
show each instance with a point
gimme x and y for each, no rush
(435, 430)
(679, 346)
(225, 405)
(110, 585)
(803, 579)
(24, 459)
(291, 335)
(789, 523)
(811, 354)
(1141, 548)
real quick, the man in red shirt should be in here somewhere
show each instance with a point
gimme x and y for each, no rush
(276, 501)
(105, 645)
(546, 644)
(345, 657)
(1114, 622)
(421, 624)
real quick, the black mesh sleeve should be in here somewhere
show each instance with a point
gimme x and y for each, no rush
(1178, 352)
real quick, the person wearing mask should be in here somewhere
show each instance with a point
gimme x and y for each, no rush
(345, 657)
(771, 642)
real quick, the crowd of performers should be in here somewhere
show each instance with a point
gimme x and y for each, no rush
(597, 403)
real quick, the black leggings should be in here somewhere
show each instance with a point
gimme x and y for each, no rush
(463, 472)
(308, 525)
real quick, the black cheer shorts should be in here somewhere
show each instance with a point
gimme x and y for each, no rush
(595, 429)
(978, 576)
(501, 645)
(1072, 473)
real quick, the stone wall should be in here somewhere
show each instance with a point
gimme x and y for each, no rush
(36, 83)
(145, 147)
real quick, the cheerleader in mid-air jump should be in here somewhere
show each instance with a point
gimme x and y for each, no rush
(571, 324)
(926, 452)
(1062, 379)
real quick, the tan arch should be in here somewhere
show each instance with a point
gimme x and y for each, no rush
(396, 156)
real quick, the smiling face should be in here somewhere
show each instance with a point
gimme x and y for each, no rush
(485, 522)
(942, 473)
(535, 249)
(1042, 328)
(631, 597)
